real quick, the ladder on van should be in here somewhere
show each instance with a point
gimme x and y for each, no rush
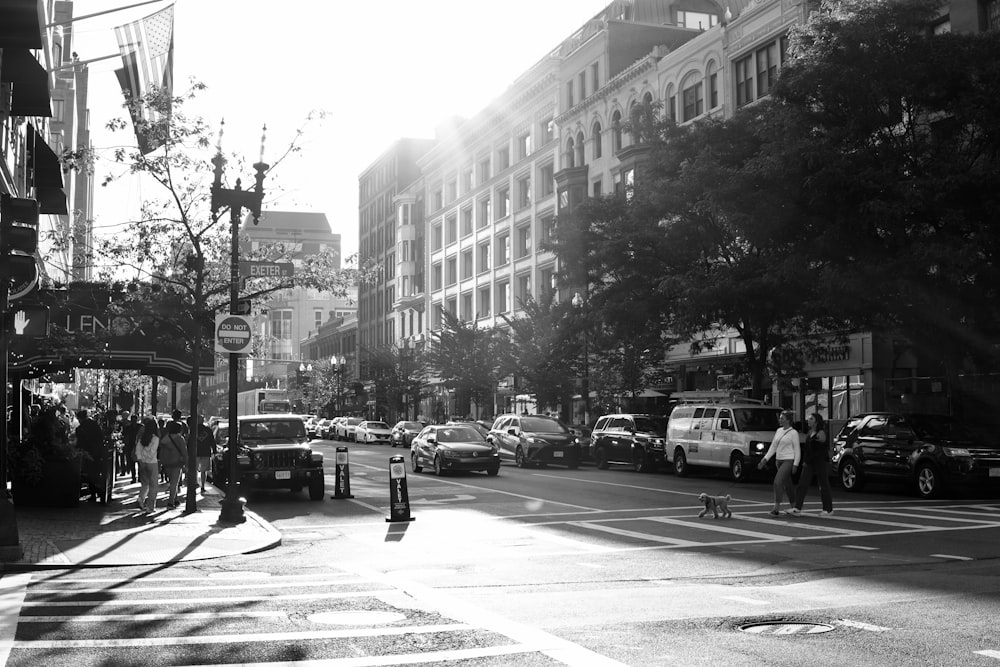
(712, 396)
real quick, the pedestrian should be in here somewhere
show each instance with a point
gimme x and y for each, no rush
(90, 441)
(787, 455)
(173, 454)
(130, 434)
(815, 461)
(206, 448)
(145, 454)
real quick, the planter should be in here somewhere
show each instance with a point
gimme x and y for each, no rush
(58, 487)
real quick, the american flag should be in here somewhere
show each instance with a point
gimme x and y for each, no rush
(147, 49)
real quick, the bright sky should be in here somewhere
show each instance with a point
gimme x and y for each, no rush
(384, 69)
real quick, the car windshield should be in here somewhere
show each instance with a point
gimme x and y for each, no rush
(378, 425)
(542, 425)
(458, 434)
(756, 419)
(411, 426)
(267, 430)
(651, 425)
(939, 426)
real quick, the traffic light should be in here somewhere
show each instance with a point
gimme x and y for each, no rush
(18, 243)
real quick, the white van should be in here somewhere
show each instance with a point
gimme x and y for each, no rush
(732, 435)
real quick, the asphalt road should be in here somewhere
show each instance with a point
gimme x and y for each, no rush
(545, 567)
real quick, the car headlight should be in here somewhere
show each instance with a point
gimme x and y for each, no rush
(305, 455)
(658, 443)
(956, 451)
(450, 454)
(758, 447)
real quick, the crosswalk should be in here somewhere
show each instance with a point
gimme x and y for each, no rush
(336, 618)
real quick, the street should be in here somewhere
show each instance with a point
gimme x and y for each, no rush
(543, 567)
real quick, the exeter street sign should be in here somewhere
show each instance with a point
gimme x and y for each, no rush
(232, 334)
(266, 269)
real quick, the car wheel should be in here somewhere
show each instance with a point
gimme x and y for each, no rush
(416, 467)
(929, 481)
(493, 471)
(601, 457)
(639, 460)
(738, 468)
(438, 468)
(680, 463)
(316, 490)
(519, 459)
(851, 477)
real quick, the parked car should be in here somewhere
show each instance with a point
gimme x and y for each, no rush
(483, 430)
(455, 447)
(321, 426)
(310, 422)
(584, 433)
(403, 432)
(928, 452)
(331, 429)
(347, 429)
(535, 440)
(273, 452)
(637, 440)
(373, 433)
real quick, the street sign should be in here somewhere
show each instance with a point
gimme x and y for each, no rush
(232, 334)
(29, 321)
(250, 269)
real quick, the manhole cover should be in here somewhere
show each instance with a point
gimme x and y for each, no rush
(786, 628)
(356, 617)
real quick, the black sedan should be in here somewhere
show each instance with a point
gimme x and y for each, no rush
(452, 448)
(403, 432)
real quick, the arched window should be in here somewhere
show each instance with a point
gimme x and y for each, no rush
(596, 132)
(570, 154)
(579, 150)
(616, 131)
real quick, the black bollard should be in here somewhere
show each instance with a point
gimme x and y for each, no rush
(399, 499)
(343, 476)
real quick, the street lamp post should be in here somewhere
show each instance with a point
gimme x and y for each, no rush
(236, 199)
(578, 303)
(338, 364)
(305, 379)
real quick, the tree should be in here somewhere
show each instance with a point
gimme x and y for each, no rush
(467, 359)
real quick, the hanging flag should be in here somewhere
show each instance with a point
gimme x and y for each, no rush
(147, 49)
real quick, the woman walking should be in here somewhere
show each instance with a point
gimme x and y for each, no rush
(787, 454)
(173, 454)
(146, 447)
(815, 461)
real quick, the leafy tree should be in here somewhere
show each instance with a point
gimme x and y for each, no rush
(467, 358)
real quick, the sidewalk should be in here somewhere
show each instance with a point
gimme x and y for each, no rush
(95, 535)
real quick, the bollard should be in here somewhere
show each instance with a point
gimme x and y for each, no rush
(343, 476)
(399, 499)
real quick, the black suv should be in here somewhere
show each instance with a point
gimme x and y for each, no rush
(273, 453)
(535, 440)
(637, 440)
(928, 451)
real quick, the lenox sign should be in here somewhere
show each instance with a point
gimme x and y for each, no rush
(92, 324)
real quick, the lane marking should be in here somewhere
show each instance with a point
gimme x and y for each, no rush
(714, 527)
(922, 516)
(799, 524)
(645, 537)
(861, 625)
(859, 547)
(950, 557)
(989, 654)
(187, 589)
(205, 600)
(110, 618)
(12, 591)
(202, 580)
(737, 598)
(404, 658)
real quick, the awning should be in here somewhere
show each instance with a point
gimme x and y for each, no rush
(29, 81)
(43, 164)
(21, 24)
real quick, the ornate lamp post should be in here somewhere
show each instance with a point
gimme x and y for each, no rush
(339, 364)
(236, 199)
(578, 303)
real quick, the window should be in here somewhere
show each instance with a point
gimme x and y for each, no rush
(524, 146)
(467, 181)
(597, 189)
(438, 199)
(503, 158)
(570, 155)
(713, 90)
(484, 302)
(547, 227)
(467, 268)
(696, 20)
(502, 249)
(744, 81)
(991, 14)
(404, 214)
(485, 213)
(547, 282)
(569, 94)
(483, 250)
(548, 130)
(523, 192)
(523, 241)
(595, 78)
(503, 203)
(694, 101)
(484, 170)
(579, 150)
(436, 276)
(466, 311)
(672, 108)
(452, 191)
(436, 236)
(616, 131)
(628, 176)
(523, 289)
(451, 270)
(451, 229)
(503, 297)
(596, 132)
(466, 220)
(317, 318)
(767, 68)
(582, 79)
(546, 180)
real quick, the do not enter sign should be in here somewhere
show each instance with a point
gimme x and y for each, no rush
(232, 334)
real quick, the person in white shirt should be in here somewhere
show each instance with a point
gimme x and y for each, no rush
(146, 446)
(787, 454)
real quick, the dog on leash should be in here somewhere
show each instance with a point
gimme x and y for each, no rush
(716, 505)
